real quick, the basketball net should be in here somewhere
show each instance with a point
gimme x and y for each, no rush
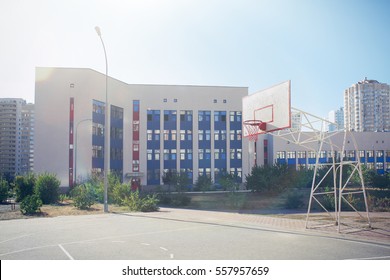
(253, 129)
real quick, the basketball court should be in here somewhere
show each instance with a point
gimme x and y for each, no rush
(177, 234)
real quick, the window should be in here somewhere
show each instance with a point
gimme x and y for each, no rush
(311, 154)
(200, 135)
(301, 154)
(116, 133)
(290, 154)
(149, 135)
(136, 105)
(350, 154)
(173, 135)
(97, 129)
(97, 151)
(232, 153)
(216, 135)
(98, 107)
(216, 153)
(379, 154)
(116, 112)
(208, 135)
(223, 135)
(280, 155)
(239, 153)
(208, 154)
(232, 116)
(116, 154)
(200, 153)
(379, 165)
(166, 154)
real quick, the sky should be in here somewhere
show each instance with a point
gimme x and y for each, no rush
(322, 46)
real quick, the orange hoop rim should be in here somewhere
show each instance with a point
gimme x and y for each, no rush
(252, 122)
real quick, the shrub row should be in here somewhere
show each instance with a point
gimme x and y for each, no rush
(92, 191)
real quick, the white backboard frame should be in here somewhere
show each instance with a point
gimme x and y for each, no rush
(271, 105)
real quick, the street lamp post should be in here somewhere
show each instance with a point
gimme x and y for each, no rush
(75, 148)
(106, 130)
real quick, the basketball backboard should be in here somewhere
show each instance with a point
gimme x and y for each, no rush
(271, 106)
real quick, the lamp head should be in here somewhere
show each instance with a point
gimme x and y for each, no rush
(97, 28)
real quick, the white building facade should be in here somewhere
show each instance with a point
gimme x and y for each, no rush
(367, 106)
(16, 137)
(153, 128)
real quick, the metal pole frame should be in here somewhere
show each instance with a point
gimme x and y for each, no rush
(312, 130)
(106, 131)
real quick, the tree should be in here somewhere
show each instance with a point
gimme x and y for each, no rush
(47, 187)
(229, 182)
(177, 180)
(24, 186)
(4, 187)
(203, 183)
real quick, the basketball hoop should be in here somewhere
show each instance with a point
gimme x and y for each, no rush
(254, 128)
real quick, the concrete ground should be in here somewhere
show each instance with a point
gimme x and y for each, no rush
(195, 234)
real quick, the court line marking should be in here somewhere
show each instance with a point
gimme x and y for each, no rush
(27, 249)
(22, 236)
(104, 238)
(66, 252)
(372, 258)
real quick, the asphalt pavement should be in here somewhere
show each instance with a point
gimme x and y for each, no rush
(188, 235)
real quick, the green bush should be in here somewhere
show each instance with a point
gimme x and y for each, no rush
(236, 200)
(30, 204)
(137, 203)
(203, 183)
(379, 204)
(293, 201)
(47, 187)
(3, 190)
(175, 200)
(83, 196)
(120, 192)
(24, 186)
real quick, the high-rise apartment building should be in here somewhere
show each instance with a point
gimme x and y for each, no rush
(367, 106)
(337, 119)
(16, 136)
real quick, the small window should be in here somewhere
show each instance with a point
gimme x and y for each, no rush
(215, 101)
(165, 100)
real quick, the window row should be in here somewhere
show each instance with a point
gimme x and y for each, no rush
(330, 154)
